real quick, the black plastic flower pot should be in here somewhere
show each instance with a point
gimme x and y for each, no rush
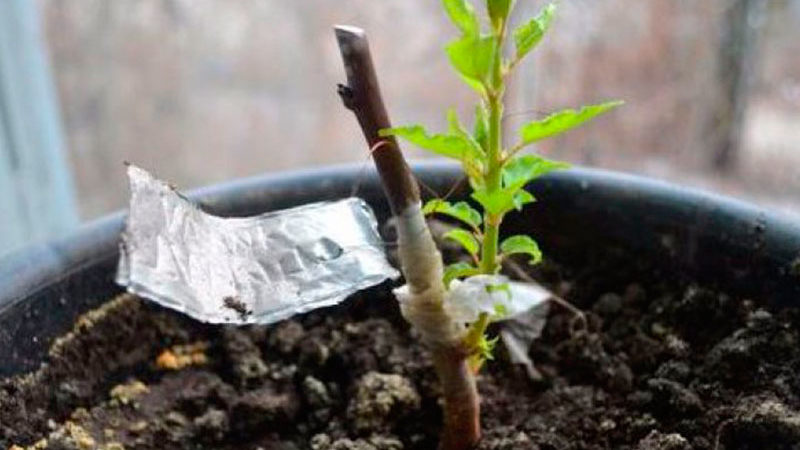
(713, 240)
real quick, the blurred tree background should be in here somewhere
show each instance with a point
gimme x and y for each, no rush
(200, 91)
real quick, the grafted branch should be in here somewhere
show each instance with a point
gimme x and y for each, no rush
(422, 297)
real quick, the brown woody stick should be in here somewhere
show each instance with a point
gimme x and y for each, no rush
(362, 95)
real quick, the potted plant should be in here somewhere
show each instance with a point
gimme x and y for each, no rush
(453, 320)
(690, 339)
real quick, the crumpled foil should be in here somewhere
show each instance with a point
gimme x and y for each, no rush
(258, 269)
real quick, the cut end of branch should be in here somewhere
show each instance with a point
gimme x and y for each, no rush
(350, 38)
(349, 30)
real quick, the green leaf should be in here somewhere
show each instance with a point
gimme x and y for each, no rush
(485, 348)
(465, 238)
(480, 130)
(496, 203)
(472, 57)
(527, 35)
(562, 121)
(461, 211)
(498, 11)
(502, 201)
(451, 146)
(516, 174)
(458, 270)
(457, 129)
(522, 198)
(522, 169)
(463, 16)
(522, 244)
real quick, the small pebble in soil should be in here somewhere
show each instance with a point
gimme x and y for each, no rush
(71, 436)
(509, 440)
(380, 401)
(671, 397)
(761, 420)
(374, 442)
(39, 445)
(662, 441)
(316, 393)
(318, 399)
(125, 394)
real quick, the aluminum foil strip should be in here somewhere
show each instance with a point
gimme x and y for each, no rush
(258, 269)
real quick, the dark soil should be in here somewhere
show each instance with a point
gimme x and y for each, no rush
(662, 364)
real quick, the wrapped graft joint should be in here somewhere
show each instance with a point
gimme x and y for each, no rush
(259, 269)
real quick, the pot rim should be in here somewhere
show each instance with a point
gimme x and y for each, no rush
(33, 268)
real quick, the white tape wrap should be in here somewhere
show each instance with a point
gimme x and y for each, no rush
(495, 295)
(422, 297)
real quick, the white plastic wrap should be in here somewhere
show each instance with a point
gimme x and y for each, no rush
(246, 270)
(495, 295)
(521, 309)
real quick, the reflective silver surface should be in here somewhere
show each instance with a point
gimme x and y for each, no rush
(246, 270)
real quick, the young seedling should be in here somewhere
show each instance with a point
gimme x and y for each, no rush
(497, 174)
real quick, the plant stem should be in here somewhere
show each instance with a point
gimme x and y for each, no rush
(423, 301)
(494, 100)
(462, 428)
(493, 183)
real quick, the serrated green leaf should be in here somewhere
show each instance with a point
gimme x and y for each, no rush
(521, 170)
(472, 57)
(498, 11)
(496, 203)
(521, 244)
(527, 35)
(457, 129)
(465, 238)
(480, 129)
(463, 16)
(458, 270)
(522, 198)
(562, 121)
(461, 211)
(451, 146)
(502, 201)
